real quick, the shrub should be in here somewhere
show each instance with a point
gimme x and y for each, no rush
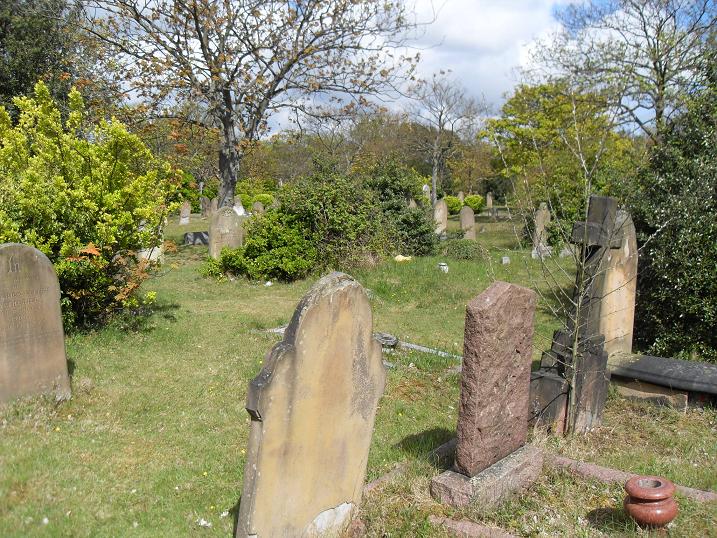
(454, 205)
(462, 249)
(265, 199)
(412, 230)
(475, 202)
(79, 193)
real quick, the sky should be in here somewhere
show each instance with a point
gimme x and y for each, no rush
(482, 42)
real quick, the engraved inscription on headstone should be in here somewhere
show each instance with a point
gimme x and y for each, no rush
(32, 343)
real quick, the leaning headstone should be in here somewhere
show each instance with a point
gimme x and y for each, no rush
(312, 411)
(540, 234)
(32, 342)
(205, 206)
(184, 212)
(214, 204)
(468, 222)
(492, 461)
(440, 216)
(257, 208)
(225, 231)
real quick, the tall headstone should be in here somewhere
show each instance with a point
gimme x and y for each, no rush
(312, 411)
(468, 222)
(440, 216)
(205, 205)
(461, 196)
(257, 208)
(184, 213)
(489, 200)
(32, 342)
(225, 231)
(540, 234)
(492, 460)
(427, 191)
(619, 288)
(214, 204)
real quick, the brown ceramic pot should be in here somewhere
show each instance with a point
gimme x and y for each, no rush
(649, 500)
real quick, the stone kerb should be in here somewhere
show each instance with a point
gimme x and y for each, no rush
(312, 411)
(32, 342)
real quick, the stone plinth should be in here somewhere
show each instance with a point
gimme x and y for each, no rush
(32, 342)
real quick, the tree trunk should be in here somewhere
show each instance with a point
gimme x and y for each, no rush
(229, 161)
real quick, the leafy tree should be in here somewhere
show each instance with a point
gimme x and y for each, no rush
(86, 198)
(674, 203)
(243, 60)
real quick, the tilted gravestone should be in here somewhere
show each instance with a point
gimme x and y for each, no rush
(440, 216)
(257, 208)
(312, 411)
(494, 405)
(226, 230)
(32, 342)
(184, 213)
(540, 234)
(468, 222)
(205, 205)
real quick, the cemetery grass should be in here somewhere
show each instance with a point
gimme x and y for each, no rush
(152, 442)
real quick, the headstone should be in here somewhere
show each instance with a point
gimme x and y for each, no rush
(312, 411)
(257, 208)
(540, 234)
(491, 459)
(32, 342)
(440, 216)
(225, 231)
(214, 204)
(205, 205)
(461, 196)
(427, 191)
(497, 354)
(184, 213)
(239, 207)
(468, 222)
(412, 204)
(619, 288)
(489, 200)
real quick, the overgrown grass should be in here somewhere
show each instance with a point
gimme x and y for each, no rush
(153, 439)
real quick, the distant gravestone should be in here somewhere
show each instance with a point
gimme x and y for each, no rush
(205, 205)
(540, 235)
(412, 204)
(461, 196)
(225, 231)
(32, 342)
(440, 216)
(257, 208)
(214, 205)
(427, 191)
(184, 213)
(312, 411)
(239, 207)
(489, 200)
(468, 222)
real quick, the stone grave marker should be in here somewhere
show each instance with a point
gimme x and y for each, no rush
(239, 207)
(184, 213)
(205, 205)
(492, 460)
(468, 222)
(440, 215)
(461, 196)
(214, 205)
(257, 208)
(225, 231)
(32, 342)
(540, 235)
(312, 411)
(489, 200)
(412, 204)
(427, 191)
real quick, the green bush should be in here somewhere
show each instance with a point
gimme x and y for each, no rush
(674, 205)
(265, 199)
(462, 249)
(78, 193)
(454, 204)
(475, 202)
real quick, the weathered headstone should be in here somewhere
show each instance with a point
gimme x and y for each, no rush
(461, 196)
(312, 411)
(412, 204)
(540, 234)
(225, 231)
(440, 216)
(239, 207)
(214, 204)
(468, 222)
(427, 191)
(493, 413)
(489, 200)
(32, 342)
(184, 213)
(206, 206)
(257, 208)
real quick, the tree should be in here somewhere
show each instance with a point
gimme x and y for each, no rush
(445, 112)
(644, 55)
(243, 60)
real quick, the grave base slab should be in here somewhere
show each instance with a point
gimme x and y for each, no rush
(492, 486)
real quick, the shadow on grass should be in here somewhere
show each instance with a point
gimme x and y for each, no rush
(138, 320)
(420, 444)
(608, 520)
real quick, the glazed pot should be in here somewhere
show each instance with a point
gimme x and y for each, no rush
(649, 500)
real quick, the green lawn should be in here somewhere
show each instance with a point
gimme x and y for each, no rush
(153, 439)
